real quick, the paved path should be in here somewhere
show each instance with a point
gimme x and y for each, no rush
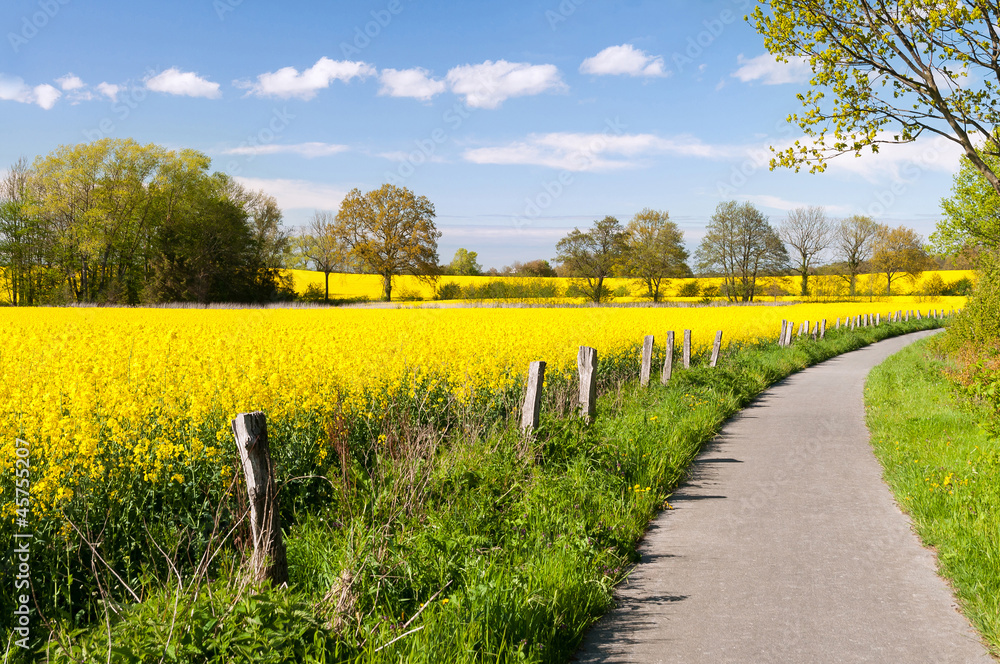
(786, 546)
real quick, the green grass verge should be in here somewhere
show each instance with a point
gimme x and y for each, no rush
(495, 549)
(945, 472)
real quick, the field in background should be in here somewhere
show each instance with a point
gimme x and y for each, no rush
(368, 286)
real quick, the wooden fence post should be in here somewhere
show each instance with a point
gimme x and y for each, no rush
(878, 318)
(822, 331)
(788, 333)
(668, 361)
(716, 347)
(838, 323)
(268, 561)
(781, 335)
(647, 360)
(687, 349)
(586, 366)
(533, 397)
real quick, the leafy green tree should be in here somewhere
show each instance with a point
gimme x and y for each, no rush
(972, 213)
(898, 251)
(741, 245)
(593, 256)
(807, 231)
(390, 231)
(465, 263)
(655, 250)
(887, 72)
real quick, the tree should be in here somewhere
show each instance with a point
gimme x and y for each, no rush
(390, 231)
(914, 66)
(655, 250)
(19, 238)
(898, 251)
(853, 242)
(807, 231)
(972, 214)
(536, 268)
(741, 245)
(323, 247)
(465, 263)
(594, 255)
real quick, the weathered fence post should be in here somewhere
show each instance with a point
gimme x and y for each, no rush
(586, 365)
(716, 347)
(781, 336)
(878, 318)
(647, 360)
(533, 397)
(687, 349)
(268, 561)
(822, 331)
(668, 361)
(838, 323)
(788, 333)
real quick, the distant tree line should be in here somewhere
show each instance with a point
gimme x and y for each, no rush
(117, 222)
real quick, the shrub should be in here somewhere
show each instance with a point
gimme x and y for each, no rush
(448, 291)
(963, 286)
(689, 289)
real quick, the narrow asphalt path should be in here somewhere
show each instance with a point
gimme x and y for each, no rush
(786, 546)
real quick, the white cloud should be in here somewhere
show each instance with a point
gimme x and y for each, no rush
(415, 83)
(288, 82)
(70, 82)
(175, 82)
(46, 96)
(109, 90)
(624, 59)
(487, 85)
(777, 203)
(13, 88)
(298, 194)
(309, 150)
(766, 69)
(593, 152)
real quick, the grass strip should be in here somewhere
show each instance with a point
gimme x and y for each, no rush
(943, 469)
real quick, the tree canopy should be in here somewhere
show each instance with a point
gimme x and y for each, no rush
(594, 255)
(853, 243)
(390, 231)
(655, 250)
(898, 251)
(889, 72)
(465, 263)
(807, 231)
(972, 213)
(741, 245)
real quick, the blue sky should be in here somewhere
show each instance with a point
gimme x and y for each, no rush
(518, 120)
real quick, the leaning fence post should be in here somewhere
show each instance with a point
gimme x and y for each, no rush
(268, 561)
(715, 348)
(687, 349)
(586, 365)
(668, 361)
(533, 397)
(647, 360)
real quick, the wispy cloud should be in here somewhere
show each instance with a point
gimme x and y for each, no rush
(308, 150)
(593, 152)
(624, 60)
(766, 69)
(416, 83)
(489, 84)
(287, 82)
(13, 88)
(777, 203)
(298, 194)
(184, 83)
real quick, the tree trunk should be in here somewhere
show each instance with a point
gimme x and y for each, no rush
(326, 294)
(387, 287)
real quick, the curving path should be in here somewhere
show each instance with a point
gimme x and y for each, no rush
(786, 546)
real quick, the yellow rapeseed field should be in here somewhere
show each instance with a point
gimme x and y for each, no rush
(148, 393)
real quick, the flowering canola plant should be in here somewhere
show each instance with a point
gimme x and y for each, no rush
(148, 394)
